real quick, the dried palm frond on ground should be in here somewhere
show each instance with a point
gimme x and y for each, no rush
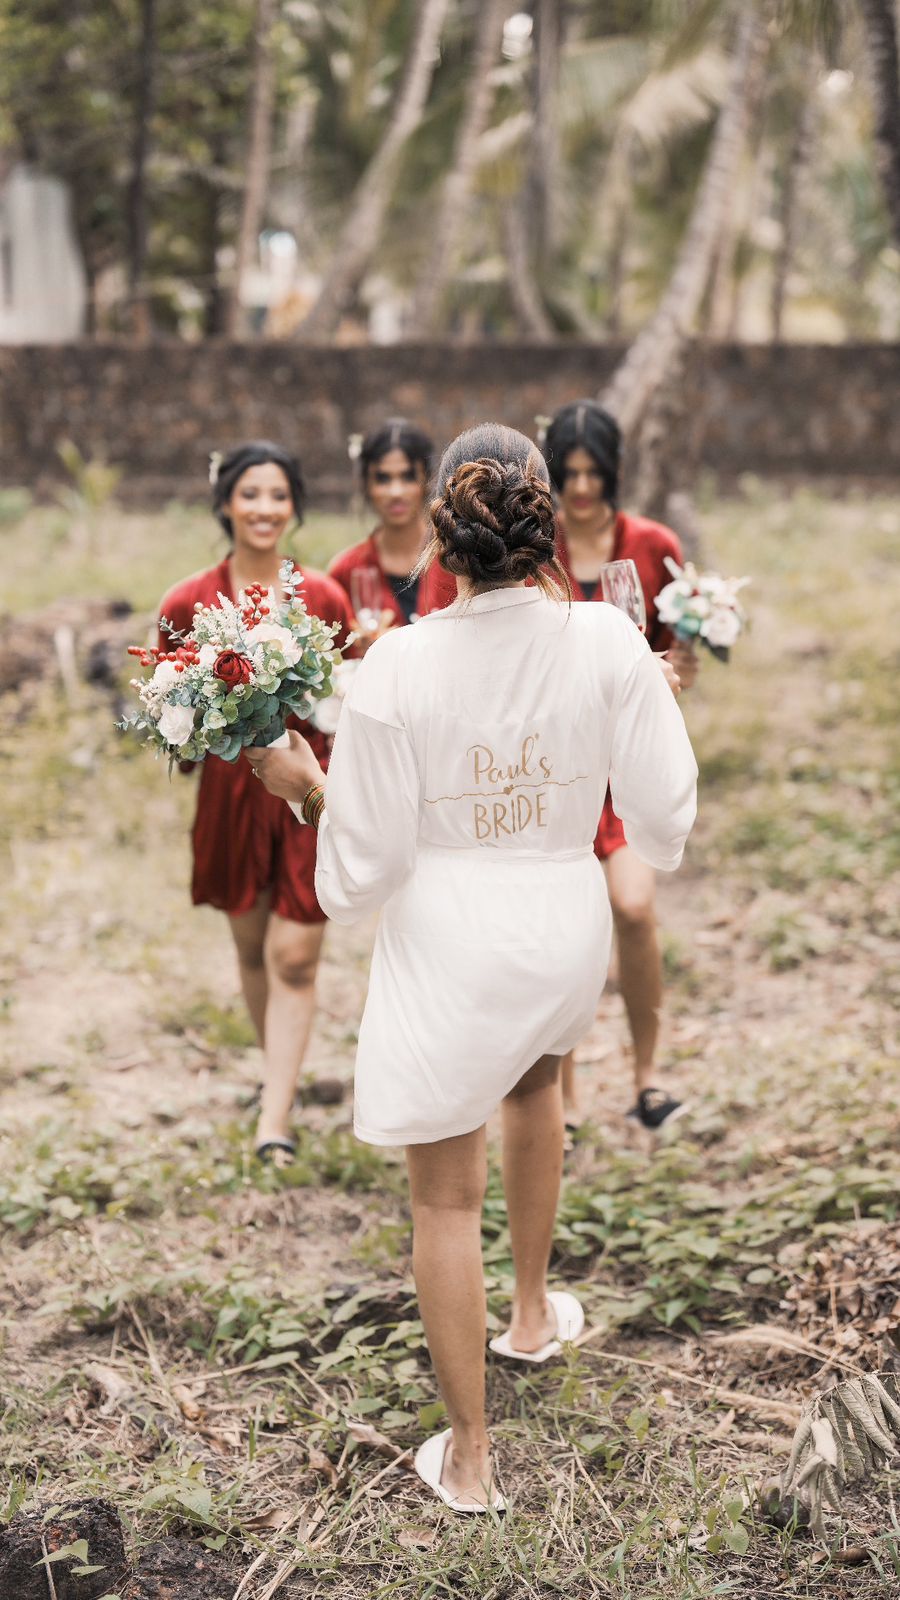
(851, 1430)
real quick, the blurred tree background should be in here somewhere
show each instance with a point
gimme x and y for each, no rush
(470, 168)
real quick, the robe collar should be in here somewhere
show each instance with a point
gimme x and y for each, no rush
(490, 600)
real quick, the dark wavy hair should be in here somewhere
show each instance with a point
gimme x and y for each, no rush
(396, 434)
(585, 425)
(256, 453)
(493, 512)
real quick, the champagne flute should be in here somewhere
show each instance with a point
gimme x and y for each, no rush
(365, 595)
(621, 587)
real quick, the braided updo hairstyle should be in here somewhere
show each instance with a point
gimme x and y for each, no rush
(493, 512)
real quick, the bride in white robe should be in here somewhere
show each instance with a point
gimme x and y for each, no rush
(468, 774)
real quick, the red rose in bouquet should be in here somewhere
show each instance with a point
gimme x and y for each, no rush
(232, 668)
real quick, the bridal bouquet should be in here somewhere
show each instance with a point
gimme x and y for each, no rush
(237, 676)
(703, 606)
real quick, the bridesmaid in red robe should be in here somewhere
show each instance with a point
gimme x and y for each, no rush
(395, 466)
(583, 449)
(252, 858)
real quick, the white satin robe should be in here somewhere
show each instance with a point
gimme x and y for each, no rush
(466, 783)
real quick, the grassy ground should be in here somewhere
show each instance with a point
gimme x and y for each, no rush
(235, 1354)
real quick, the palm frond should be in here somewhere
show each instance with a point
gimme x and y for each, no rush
(850, 1430)
(688, 24)
(596, 74)
(672, 101)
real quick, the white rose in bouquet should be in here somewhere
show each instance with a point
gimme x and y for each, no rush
(275, 633)
(164, 677)
(721, 629)
(177, 724)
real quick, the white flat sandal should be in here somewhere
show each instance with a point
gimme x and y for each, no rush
(429, 1465)
(569, 1324)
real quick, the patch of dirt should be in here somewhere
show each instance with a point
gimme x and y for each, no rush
(27, 1542)
(179, 1569)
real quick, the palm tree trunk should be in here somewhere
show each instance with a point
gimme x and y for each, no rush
(545, 157)
(523, 289)
(880, 26)
(615, 272)
(259, 153)
(788, 209)
(616, 204)
(137, 187)
(370, 200)
(458, 182)
(210, 207)
(665, 455)
(727, 277)
(644, 367)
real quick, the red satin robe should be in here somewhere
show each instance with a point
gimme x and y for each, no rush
(246, 840)
(437, 590)
(647, 544)
(366, 555)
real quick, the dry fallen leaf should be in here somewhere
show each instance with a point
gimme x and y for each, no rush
(276, 1517)
(417, 1538)
(777, 1444)
(363, 1433)
(724, 1426)
(114, 1388)
(222, 1441)
(320, 1463)
(186, 1401)
(855, 1555)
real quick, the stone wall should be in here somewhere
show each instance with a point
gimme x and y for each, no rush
(828, 412)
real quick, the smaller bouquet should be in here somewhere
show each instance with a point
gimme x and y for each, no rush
(237, 676)
(701, 605)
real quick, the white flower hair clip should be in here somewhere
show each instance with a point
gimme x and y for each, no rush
(354, 445)
(215, 465)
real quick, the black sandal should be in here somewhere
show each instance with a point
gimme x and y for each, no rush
(272, 1148)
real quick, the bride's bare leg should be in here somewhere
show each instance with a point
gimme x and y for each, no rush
(447, 1183)
(532, 1169)
(569, 1089)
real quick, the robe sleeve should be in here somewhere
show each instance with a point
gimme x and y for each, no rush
(368, 831)
(653, 774)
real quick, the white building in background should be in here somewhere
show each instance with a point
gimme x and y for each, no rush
(43, 287)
